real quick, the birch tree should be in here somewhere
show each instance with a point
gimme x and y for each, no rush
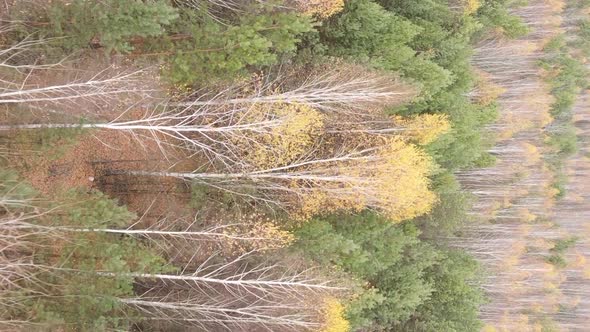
(267, 128)
(391, 177)
(349, 90)
(238, 293)
(20, 63)
(259, 134)
(322, 9)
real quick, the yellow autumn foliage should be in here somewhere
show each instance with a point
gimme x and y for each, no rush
(320, 8)
(488, 91)
(394, 181)
(318, 201)
(300, 124)
(489, 328)
(334, 319)
(255, 231)
(552, 192)
(471, 6)
(580, 260)
(526, 216)
(423, 128)
(532, 153)
(404, 183)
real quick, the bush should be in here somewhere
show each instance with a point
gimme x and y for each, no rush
(563, 245)
(564, 141)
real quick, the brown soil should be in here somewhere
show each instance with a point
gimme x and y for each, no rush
(98, 160)
(95, 159)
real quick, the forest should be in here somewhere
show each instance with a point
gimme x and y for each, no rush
(294, 165)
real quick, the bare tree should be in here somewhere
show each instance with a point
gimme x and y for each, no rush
(222, 134)
(234, 292)
(259, 236)
(346, 90)
(354, 177)
(101, 86)
(21, 63)
(217, 9)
